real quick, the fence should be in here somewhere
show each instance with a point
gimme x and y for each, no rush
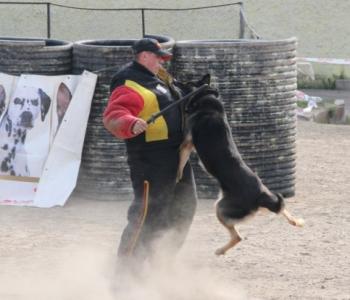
(243, 24)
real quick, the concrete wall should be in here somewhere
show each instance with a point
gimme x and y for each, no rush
(321, 26)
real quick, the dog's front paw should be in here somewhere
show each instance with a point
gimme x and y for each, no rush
(299, 222)
(220, 251)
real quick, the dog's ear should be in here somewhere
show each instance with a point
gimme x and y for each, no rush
(182, 88)
(205, 80)
(2, 99)
(64, 96)
(45, 103)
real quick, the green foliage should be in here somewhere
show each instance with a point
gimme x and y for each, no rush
(321, 81)
(301, 103)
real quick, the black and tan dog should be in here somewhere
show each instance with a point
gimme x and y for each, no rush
(208, 132)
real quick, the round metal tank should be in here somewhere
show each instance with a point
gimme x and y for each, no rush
(257, 82)
(104, 172)
(35, 56)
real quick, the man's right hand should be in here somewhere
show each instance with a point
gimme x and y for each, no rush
(139, 126)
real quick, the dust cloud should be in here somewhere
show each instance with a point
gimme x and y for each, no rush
(91, 274)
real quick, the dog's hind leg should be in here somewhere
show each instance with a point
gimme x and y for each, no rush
(235, 237)
(185, 152)
(292, 220)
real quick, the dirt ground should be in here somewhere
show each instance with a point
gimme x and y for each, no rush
(69, 253)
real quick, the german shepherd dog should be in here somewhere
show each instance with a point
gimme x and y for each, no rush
(208, 132)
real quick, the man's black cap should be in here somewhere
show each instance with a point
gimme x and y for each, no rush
(151, 45)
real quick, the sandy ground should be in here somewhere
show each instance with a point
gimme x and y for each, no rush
(69, 253)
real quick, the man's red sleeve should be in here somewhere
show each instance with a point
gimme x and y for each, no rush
(123, 107)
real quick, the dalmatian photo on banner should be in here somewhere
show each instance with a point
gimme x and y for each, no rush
(43, 120)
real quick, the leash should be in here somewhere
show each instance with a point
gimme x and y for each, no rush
(168, 79)
(177, 102)
(142, 218)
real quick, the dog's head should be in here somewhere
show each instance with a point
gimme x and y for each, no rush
(2, 99)
(204, 100)
(190, 86)
(27, 104)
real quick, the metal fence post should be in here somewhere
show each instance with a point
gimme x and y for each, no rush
(143, 22)
(241, 21)
(48, 18)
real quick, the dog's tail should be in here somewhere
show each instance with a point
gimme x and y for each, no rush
(272, 201)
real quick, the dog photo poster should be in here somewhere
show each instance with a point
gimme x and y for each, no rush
(39, 160)
(7, 84)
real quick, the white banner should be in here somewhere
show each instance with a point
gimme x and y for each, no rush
(43, 121)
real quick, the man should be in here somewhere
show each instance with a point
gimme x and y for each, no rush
(153, 152)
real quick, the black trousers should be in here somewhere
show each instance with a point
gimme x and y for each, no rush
(171, 205)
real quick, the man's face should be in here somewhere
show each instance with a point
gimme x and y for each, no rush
(151, 61)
